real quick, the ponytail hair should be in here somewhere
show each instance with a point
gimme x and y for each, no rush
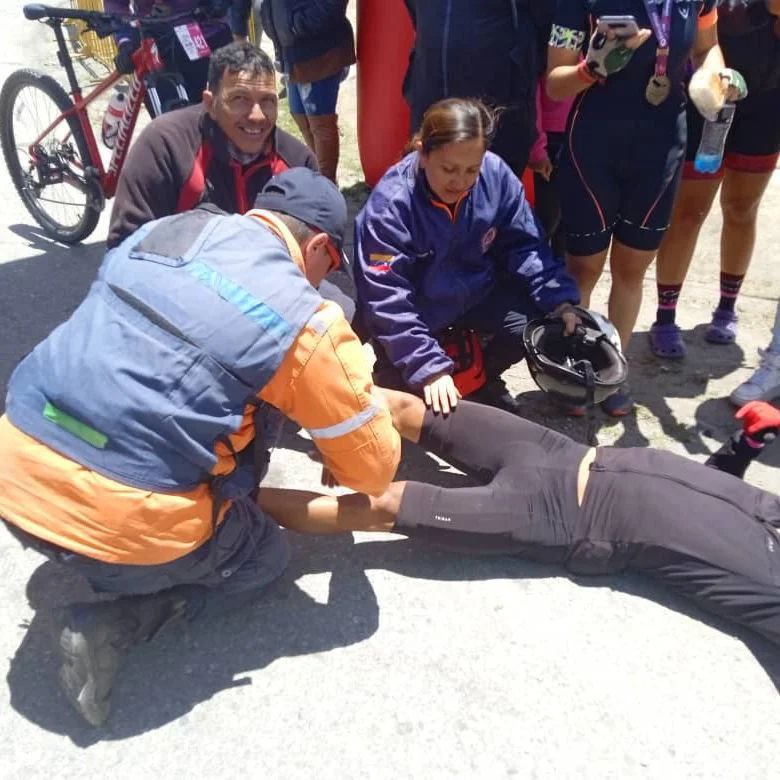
(453, 120)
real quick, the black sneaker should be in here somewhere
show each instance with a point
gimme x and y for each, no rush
(495, 393)
(94, 638)
(92, 642)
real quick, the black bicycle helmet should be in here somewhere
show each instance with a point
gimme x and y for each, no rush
(582, 369)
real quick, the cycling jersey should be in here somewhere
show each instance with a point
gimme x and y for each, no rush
(622, 95)
(623, 155)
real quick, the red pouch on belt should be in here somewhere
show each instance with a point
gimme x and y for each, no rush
(465, 349)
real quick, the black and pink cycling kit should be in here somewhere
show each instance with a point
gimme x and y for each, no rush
(623, 157)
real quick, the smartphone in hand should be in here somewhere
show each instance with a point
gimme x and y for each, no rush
(621, 26)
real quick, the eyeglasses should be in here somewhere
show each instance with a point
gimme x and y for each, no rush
(335, 256)
(332, 250)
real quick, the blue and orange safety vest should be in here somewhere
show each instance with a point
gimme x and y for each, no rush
(198, 330)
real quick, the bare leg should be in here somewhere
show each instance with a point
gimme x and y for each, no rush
(694, 200)
(314, 513)
(407, 411)
(739, 199)
(586, 270)
(628, 268)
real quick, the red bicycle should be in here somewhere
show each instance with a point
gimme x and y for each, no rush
(47, 139)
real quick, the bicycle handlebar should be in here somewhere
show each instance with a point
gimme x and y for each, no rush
(105, 24)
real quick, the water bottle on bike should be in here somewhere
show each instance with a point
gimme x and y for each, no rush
(113, 116)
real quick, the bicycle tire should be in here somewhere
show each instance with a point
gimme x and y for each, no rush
(86, 223)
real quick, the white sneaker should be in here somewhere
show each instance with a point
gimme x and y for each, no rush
(764, 385)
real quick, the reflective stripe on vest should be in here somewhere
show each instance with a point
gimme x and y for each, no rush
(345, 426)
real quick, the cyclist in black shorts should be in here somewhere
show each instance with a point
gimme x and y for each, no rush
(625, 138)
(704, 533)
(750, 38)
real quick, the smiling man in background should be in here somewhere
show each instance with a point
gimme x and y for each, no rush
(222, 152)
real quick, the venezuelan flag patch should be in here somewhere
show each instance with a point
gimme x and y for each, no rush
(380, 262)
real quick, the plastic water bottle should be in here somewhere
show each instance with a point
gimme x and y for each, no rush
(112, 117)
(713, 140)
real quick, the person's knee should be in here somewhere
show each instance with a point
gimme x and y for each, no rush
(585, 270)
(740, 211)
(629, 274)
(690, 216)
(629, 265)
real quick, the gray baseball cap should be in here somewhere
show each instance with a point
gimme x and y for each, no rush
(311, 198)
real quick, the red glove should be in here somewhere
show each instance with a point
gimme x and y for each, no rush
(759, 416)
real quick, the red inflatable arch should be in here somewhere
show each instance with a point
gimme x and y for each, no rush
(384, 40)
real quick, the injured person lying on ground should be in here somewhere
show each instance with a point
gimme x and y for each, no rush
(594, 510)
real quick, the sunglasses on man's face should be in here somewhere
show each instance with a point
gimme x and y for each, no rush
(332, 250)
(335, 256)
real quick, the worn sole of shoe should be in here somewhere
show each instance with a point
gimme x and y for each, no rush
(77, 679)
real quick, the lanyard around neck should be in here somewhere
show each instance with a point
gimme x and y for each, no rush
(662, 28)
(661, 24)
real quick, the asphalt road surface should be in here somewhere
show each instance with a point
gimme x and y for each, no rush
(378, 657)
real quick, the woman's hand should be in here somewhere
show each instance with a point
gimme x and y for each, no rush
(608, 54)
(710, 89)
(441, 394)
(734, 85)
(543, 167)
(568, 314)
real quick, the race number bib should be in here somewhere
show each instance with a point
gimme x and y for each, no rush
(192, 40)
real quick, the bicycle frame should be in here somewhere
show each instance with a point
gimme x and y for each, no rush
(146, 61)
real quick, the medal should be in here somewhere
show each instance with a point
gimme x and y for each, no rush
(659, 86)
(658, 89)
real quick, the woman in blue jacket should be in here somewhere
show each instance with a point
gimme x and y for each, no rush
(447, 238)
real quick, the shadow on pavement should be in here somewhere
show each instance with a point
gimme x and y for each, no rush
(653, 381)
(709, 415)
(37, 293)
(164, 680)
(36, 237)
(415, 559)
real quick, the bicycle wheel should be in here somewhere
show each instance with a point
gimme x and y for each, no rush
(53, 181)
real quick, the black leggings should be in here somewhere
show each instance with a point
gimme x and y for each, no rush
(704, 533)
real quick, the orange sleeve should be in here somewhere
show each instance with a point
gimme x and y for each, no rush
(324, 384)
(709, 19)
